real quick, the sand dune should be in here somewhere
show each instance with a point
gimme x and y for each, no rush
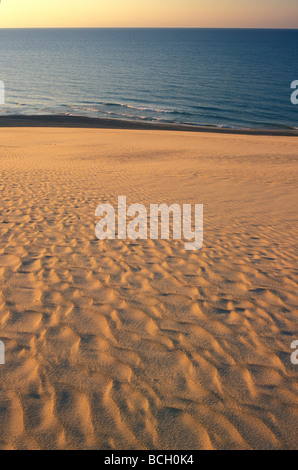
(141, 344)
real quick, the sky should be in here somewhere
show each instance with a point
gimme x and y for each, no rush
(149, 13)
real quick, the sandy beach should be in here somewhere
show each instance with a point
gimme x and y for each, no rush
(127, 344)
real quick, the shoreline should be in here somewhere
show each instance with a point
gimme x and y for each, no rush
(101, 123)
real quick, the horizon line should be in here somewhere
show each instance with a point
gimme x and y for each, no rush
(153, 27)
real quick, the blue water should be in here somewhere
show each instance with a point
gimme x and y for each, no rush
(230, 78)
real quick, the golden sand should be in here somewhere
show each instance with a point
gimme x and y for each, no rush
(141, 344)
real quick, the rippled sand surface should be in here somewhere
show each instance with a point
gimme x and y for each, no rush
(141, 344)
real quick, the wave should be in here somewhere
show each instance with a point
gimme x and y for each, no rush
(140, 108)
(217, 117)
